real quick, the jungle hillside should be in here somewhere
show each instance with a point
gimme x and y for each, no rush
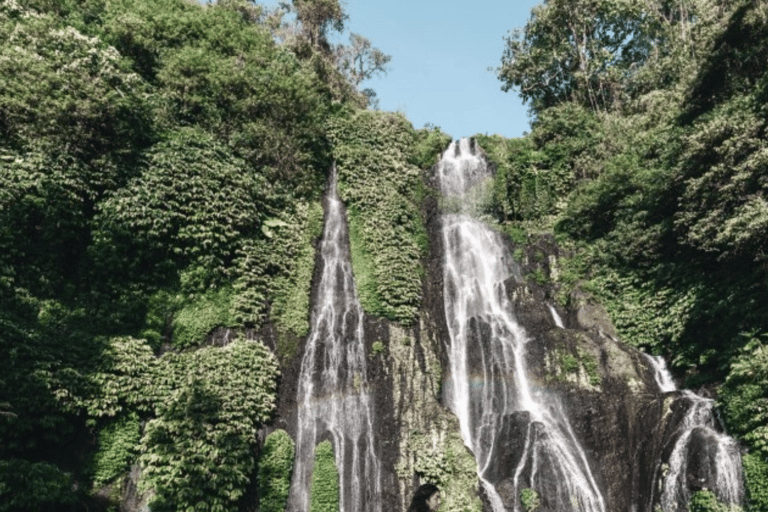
(162, 165)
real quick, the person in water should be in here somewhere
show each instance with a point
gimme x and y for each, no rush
(425, 499)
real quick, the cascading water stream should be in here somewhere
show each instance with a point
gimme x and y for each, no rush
(556, 317)
(489, 383)
(334, 399)
(715, 455)
(661, 374)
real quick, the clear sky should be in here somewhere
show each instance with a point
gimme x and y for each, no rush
(441, 52)
(441, 55)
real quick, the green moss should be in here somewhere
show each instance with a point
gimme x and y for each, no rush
(275, 467)
(580, 366)
(363, 267)
(383, 191)
(290, 308)
(530, 499)
(569, 363)
(117, 447)
(539, 276)
(325, 480)
(200, 314)
(591, 366)
(706, 501)
(377, 348)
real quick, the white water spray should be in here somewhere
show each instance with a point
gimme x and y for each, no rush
(334, 399)
(661, 374)
(556, 317)
(489, 384)
(717, 454)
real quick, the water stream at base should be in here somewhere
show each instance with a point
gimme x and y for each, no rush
(698, 433)
(488, 381)
(334, 399)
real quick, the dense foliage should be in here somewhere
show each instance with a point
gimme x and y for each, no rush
(161, 167)
(647, 158)
(275, 471)
(325, 480)
(382, 188)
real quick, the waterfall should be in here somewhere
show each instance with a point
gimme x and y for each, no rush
(556, 317)
(334, 399)
(489, 389)
(702, 456)
(661, 374)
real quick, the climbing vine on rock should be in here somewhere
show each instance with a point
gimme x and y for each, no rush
(325, 480)
(199, 446)
(275, 469)
(382, 190)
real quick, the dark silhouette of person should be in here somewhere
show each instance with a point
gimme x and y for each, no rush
(425, 499)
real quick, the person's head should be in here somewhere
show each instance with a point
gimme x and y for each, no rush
(425, 499)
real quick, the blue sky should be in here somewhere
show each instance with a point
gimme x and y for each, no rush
(441, 52)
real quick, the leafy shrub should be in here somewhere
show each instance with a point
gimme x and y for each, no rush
(33, 486)
(123, 380)
(199, 447)
(199, 316)
(192, 205)
(706, 501)
(117, 446)
(429, 146)
(275, 468)
(744, 395)
(325, 480)
(530, 499)
(387, 232)
(204, 409)
(294, 250)
(756, 477)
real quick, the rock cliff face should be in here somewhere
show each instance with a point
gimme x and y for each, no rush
(642, 446)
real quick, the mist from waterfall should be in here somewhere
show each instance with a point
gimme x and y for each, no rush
(334, 399)
(487, 356)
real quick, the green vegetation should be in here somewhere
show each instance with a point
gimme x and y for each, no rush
(290, 309)
(161, 168)
(204, 409)
(33, 486)
(117, 444)
(581, 367)
(706, 501)
(374, 154)
(212, 402)
(529, 499)
(377, 348)
(756, 477)
(325, 480)
(744, 395)
(647, 158)
(275, 469)
(592, 367)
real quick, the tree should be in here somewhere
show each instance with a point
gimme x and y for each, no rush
(360, 60)
(575, 51)
(317, 17)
